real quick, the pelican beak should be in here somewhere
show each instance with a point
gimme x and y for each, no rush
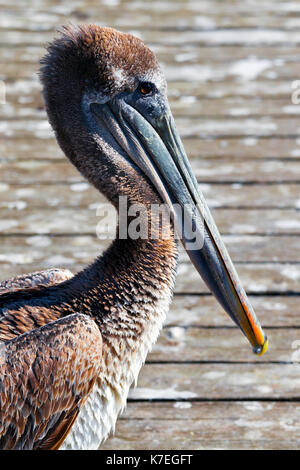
(155, 147)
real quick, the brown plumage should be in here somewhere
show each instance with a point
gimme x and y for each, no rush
(40, 394)
(34, 280)
(73, 345)
(125, 277)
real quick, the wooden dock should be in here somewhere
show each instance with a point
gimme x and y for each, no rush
(230, 67)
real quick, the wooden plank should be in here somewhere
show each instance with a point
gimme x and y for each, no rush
(203, 310)
(227, 148)
(254, 196)
(124, 17)
(191, 54)
(243, 248)
(282, 7)
(83, 196)
(217, 381)
(44, 195)
(244, 226)
(258, 278)
(233, 106)
(198, 14)
(214, 127)
(242, 126)
(28, 171)
(240, 221)
(226, 37)
(198, 426)
(258, 88)
(178, 344)
(49, 251)
(206, 170)
(192, 410)
(220, 170)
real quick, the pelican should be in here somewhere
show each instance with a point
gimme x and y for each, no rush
(72, 345)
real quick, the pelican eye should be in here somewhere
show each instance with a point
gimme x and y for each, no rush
(146, 88)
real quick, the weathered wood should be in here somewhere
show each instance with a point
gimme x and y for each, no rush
(230, 88)
(210, 425)
(233, 107)
(256, 277)
(194, 344)
(243, 248)
(228, 148)
(242, 126)
(205, 6)
(205, 38)
(201, 127)
(195, 15)
(203, 310)
(236, 222)
(206, 170)
(192, 410)
(83, 196)
(201, 381)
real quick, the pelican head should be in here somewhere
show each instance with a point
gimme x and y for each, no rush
(106, 98)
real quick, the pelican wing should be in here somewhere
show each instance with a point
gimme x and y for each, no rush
(15, 321)
(34, 281)
(45, 377)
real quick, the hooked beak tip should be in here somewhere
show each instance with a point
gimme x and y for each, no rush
(260, 350)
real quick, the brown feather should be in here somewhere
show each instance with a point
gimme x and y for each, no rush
(34, 281)
(51, 360)
(33, 413)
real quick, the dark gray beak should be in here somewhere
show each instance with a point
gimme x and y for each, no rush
(155, 147)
